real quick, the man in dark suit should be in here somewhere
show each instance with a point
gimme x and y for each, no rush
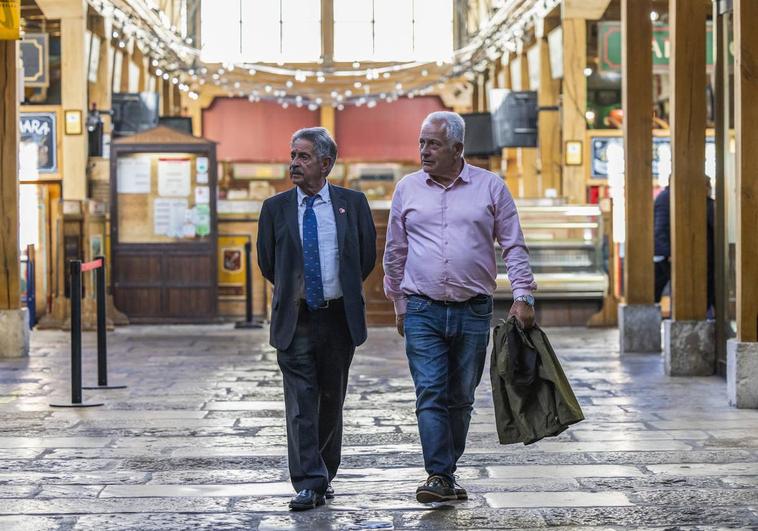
(662, 244)
(316, 244)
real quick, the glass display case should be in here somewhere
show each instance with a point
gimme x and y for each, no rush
(565, 251)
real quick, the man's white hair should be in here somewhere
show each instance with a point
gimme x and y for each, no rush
(455, 127)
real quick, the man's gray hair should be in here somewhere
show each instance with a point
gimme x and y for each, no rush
(323, 144)
(455, 127)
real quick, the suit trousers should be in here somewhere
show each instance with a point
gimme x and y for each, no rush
(315, 370)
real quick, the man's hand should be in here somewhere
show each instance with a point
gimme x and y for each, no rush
(524, 314)
(400, 323)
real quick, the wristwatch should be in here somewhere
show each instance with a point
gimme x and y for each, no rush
(525, 298)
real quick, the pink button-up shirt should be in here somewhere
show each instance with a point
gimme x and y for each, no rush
(440, 241)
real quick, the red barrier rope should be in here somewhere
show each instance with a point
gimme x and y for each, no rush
(94, 264)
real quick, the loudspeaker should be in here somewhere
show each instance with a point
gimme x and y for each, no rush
(478, 139)
(515, 120)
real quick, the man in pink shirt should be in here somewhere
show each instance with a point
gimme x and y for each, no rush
(439, 265)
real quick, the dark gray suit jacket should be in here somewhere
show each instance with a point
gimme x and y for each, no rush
(280, 257)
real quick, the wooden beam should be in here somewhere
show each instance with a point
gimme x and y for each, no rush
(10, 289)
(74, 97)
(688, 188)
(327, 32)
(574, 102)
(584, 9)
(637, 101)
(746, 118)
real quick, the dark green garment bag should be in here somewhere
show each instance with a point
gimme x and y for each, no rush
(533, 398)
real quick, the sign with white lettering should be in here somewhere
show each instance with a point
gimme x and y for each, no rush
(39, 129)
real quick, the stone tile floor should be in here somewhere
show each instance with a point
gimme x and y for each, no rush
(197, 441)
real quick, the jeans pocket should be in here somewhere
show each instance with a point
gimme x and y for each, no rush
(417, 304)
(481, 308)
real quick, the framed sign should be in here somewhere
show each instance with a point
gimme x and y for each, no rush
(35, 53)
(231, 266)
(39, 129)
(73, 120)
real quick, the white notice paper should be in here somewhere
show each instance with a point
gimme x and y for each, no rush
(168, 216)
(202, 194)
(174, 177)
(133, 174)
(201, 163)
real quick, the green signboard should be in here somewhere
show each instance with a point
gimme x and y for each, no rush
(609, 47)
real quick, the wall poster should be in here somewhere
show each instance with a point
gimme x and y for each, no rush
(174, 177)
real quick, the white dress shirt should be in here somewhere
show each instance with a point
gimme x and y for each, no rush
(328, 248)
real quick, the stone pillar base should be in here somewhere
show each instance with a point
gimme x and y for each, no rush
(742, 374)
(639, 328)
(689, 347)
(14, 333)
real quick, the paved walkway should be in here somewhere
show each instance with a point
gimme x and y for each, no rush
(197, 441)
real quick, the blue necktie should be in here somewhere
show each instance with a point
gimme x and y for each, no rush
(314, 288)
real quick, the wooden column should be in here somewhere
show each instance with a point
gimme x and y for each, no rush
(165, 92)
(746, 118)
(688, 189)
(100, 92)
(10, 290)
(144, 71)
(549, 142)
(528, 156)
(176, 100)
(328, 119)
(508, 155)
(74, 97)
(637, 95)
(574, 101)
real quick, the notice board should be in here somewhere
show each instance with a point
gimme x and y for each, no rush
(163, 197)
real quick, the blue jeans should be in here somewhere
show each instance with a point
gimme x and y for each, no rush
(446, 345)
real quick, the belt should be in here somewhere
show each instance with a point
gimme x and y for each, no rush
(476, 298)
(327, 304)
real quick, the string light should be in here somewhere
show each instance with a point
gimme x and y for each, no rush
(150, 32)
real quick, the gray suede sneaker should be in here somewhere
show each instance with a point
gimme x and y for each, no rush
(435, 489)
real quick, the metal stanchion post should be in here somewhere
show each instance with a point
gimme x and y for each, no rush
(76, 340)
(248, 322)
(102, 344)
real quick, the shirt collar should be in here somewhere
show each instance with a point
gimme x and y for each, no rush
(464, 176)
(323, 194)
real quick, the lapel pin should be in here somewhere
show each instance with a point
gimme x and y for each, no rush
(342, 210)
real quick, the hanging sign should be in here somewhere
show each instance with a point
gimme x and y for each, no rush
(10, 20)
(35, 54)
